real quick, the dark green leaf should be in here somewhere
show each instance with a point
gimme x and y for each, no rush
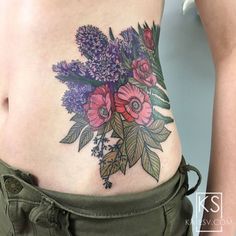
(161, 82)
(109, 165)
(137, 84)
(123, 149)
(159, 75)
(123, 164)
(134, 30)
(126, 60)
(160, 79)
(105, 128)
(77, 118)
(119, 142)
(159, 92)
(111, 34)
(158, 131)
(162, 135)
(140, 30)
(151, 163)
(128, 125)
(158, 115)
(158, 102)
(156, 33)
(108, 127)
(156, 67)
(117, 125)
(156, 36)
(134, 145)
(74, 132)
(150, 141)
(100, 131)
(115, 135)
(156, 126)
(86, 137)
(76, 78)
(145, 25)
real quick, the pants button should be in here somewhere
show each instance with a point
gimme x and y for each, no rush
(13, 185)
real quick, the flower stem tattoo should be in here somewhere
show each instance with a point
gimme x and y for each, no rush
(115, 95)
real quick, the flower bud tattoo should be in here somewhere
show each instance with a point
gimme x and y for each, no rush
(115, 97)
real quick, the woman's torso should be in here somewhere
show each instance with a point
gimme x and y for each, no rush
(34, 36)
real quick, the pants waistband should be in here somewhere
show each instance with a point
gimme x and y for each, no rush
(17, 184)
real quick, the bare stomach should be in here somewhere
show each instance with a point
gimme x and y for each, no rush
(36, 121)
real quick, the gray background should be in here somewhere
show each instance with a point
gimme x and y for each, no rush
(189, 75)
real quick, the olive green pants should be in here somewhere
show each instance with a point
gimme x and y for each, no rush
(26, 209)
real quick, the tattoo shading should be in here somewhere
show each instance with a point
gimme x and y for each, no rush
(114, 97)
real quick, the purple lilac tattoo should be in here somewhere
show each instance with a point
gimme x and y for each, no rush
(115, 96)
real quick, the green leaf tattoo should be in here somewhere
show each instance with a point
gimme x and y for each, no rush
(151, 162)
(134, 145)
(74, 132)
(86, 137)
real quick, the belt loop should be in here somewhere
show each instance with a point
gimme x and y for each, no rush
(46, 214)
(189, 168)
(49, 215)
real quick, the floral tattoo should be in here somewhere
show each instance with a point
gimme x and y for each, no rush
(115, 95)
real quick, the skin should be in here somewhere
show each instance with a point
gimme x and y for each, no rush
(219, 21)
(34, 122)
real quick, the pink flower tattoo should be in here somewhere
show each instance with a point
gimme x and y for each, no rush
(142, 72)
(99, 106)
(133, 104)
(148, 39)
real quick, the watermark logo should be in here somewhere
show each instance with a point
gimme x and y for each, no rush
(214, 207)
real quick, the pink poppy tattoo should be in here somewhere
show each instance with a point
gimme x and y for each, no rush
(99, 107)
(114, 97)
(133, 104)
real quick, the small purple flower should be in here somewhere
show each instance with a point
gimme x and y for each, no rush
(61, 68)
(130, 35)
(82, 88)
(91, 41)
(76, 96)
(77, 67)
(108, 66)
(64, 69)
(132, 46)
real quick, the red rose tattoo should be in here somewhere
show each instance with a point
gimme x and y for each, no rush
(142, 72)
(148, 39)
